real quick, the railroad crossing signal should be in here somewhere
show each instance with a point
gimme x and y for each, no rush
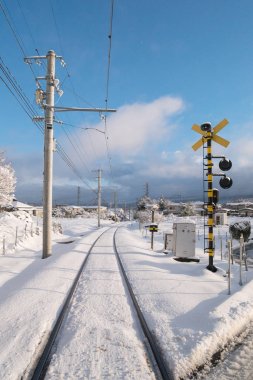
(209, 134)
(204, 131)
(153, 227)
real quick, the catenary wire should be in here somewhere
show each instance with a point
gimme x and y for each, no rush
(77, 141)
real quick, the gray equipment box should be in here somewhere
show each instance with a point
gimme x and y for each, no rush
(184, 239)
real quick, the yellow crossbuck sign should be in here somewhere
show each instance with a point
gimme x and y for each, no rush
(215, 130)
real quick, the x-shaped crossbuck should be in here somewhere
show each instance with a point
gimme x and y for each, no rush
(214, 137)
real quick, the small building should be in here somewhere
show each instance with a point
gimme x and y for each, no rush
(220, 218)
(31, 210)
(93, 208)
(247, 211)
(174, 208)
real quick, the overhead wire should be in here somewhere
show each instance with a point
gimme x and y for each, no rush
(109, 53)
(76, 148)
(15, 89)
(19, 94)
(16, 35)
(107, 84)
(76, 143)
(107, 79)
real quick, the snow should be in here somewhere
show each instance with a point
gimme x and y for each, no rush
(187, 306)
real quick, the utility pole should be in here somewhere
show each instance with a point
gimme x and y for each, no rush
(78, 195)
(48, 156)
(50, 109)
(115, 204)
(152, 232)
(146, 189)
(99, 194)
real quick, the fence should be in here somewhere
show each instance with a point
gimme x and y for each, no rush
(17, 234)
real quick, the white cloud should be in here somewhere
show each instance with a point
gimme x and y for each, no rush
(133, 127)
(180, 165)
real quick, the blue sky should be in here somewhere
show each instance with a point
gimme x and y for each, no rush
(173, 64)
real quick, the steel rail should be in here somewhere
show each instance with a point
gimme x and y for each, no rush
(41, 366)
(164, 370)
(154, 350)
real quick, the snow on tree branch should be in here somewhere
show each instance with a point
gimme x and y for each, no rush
(7, 182)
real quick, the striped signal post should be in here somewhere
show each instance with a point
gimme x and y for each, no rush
(210, 206)
(209, 134)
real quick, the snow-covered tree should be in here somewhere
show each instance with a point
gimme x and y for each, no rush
(188, 210)
(163, 204)
(146, 203)
(143, 202)
(7, 182)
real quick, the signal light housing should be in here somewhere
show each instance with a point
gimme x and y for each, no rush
(225, 164)
(226, 182)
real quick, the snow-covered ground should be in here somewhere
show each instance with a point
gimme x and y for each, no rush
(187, 306)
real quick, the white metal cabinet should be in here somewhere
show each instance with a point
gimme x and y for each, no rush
(184, 238)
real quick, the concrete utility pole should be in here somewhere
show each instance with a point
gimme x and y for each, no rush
(99, 194)
(146, 189)
(48, 156)
(152, 232)
(115, 204)
(78, 195)
(50, 108)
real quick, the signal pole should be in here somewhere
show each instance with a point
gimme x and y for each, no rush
(210, 206)
(48, 156)
(209, 134)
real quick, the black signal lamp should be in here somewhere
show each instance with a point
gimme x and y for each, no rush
(206, 127)
(225, 164)
(226, 182)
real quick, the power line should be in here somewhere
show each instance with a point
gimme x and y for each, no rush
(19, 95)
(25, 99)
(76, 148)
(17, 37)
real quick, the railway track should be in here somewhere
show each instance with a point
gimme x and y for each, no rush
(160, 367)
